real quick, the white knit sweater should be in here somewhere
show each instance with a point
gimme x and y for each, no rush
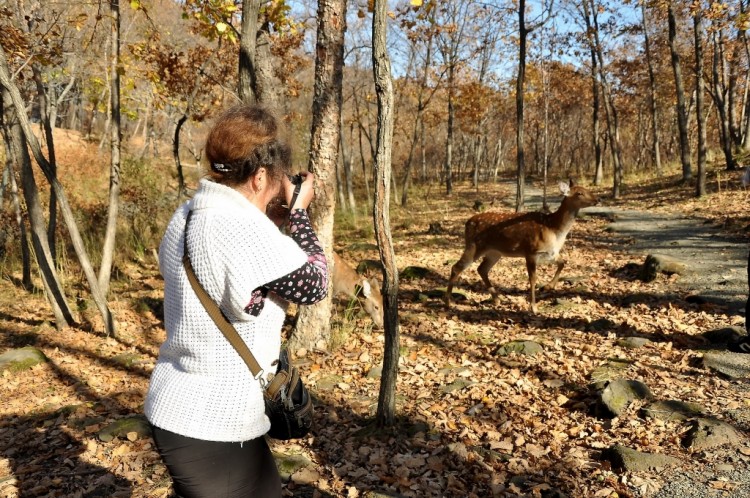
(200, 387)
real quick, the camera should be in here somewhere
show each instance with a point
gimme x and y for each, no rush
(296, 179)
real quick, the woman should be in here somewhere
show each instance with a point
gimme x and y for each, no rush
(206, 409)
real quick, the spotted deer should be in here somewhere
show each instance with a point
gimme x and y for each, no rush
(536, 236)
(351, 284)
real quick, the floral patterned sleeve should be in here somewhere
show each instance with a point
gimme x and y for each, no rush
(306, 285)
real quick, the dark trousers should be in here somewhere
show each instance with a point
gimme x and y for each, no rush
(210, 469)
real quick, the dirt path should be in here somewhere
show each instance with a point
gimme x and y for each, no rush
(718, 273)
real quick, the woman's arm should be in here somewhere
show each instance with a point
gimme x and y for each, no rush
(306, 285)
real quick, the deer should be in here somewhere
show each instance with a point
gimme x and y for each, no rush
(351, 284)
(536, 236)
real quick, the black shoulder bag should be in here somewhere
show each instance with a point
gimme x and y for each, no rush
(288, 403)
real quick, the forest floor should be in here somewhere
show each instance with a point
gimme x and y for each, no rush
(471, 422)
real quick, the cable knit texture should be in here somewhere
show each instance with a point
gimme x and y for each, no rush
(200, 387)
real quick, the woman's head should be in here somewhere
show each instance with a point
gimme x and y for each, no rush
(244, 139)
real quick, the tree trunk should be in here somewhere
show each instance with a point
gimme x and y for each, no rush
(65, 209)
(682, 119)
(25, 256)
(720, 95)
(349, 170)
(449, 137)
(108, 251)
(520, 78)
(52, 286)
(269, 90)
(246, 85)
(655, 153)
(314, 322)
(384, 89)
(45, 119)
(700, 185)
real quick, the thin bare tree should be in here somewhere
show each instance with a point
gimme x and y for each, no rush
(384, 89)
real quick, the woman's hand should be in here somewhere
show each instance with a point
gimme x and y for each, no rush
(306, 191)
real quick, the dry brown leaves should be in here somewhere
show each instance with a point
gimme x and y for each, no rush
(470, 423)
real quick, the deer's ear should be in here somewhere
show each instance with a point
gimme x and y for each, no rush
(564, 188)
(366, 289)
(572, 182)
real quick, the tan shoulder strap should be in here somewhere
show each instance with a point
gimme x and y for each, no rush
(218, 317)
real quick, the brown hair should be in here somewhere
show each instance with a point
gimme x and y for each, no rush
(244, 139)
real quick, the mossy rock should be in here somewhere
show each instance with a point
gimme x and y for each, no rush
(368, 265)
(17, 360)
(457, 385)
(707, 433)
(628, 459)
(124, 426)
(618, 395)
(672, 410)
(363, 246)
(127, 359)
(328, 383)
(439, 293)
(527, 348)
(633, 342)
(418, 272)
(613, 369)
(289, 464)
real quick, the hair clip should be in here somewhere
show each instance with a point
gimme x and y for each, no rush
(221, 168)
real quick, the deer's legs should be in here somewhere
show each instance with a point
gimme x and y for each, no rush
(531, 269)
(484, 271)
(467, 258)
(552, 283)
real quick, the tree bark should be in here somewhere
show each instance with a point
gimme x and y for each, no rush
(520, 79)
(25, 256)
(246, 85)
(110, 237)
(384, 89)
(314, 322)
(700, 185)
(655, 152)
(682, 118)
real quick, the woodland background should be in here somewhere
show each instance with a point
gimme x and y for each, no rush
(649, 100)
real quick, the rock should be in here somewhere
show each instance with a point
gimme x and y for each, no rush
(328, 383)
(456, 385)
(724, 335)
(127, 359)
(633, 342)
(528, 348)
(672, 410)
(661, 263)
(435, 229)
(416, 272)
(375, 372)
(613, 369)
(601, 325)
(732, 365)
(17, 360)
(706, 433)
(619, 393)
(439, 293)
(363, 246)
(122, 427)
(290, 464)
(627, 459)
(367, 265)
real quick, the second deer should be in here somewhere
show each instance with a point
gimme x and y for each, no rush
(348, 282)
(536, 236)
